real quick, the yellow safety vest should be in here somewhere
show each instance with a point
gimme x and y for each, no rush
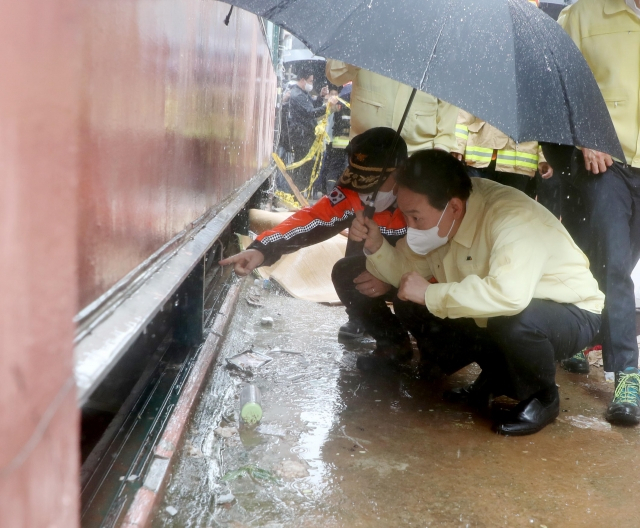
(520, 158)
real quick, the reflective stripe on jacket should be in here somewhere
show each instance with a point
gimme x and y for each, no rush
(481, 143)
(330, 215)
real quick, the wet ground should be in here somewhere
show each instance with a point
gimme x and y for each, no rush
(337, 448)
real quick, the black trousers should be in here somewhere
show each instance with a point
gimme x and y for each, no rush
(566, 161)
(612, 203)
(518, 352)
(334, 163)
(374, 314)
(550, 193)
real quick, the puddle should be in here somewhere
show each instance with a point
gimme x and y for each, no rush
(588, 422)
(336, 448)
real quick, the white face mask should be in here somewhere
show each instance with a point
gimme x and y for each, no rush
(308, 87)
(384, 200)
(423, 241)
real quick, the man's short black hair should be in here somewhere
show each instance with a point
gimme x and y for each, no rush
(305, 72)
(437, 175)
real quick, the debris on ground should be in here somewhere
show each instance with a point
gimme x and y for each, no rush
(248, 360)
(595, 358)
(254, 297)
(192, 450)
(250, 405)
(171, 510)
(254, 472)
(227, 498)
(266, 321)
(587, 422)
(292, 352)
(290, 469)
(226, 432)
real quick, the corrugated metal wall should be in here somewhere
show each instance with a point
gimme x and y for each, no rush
(176, 112)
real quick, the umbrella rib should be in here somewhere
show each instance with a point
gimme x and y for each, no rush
(425, 75)
(338, 30)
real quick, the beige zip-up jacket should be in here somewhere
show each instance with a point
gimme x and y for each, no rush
(607, 32)
(480, 143)
(378, 101)
(508, 250)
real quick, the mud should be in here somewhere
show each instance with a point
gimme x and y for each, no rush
(337, 448)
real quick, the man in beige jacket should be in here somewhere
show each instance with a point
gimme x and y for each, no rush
(512, 290)
(377, 101)
(608, 34)
(496, 156)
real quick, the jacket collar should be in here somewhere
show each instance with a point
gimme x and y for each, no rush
(611, 7)
(475, 205)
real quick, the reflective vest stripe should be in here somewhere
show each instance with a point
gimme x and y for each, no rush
(462, 131)
(340, 142)
(514, 158)
(509, 158)
(479, 154)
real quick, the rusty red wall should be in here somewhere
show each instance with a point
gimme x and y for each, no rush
(176, 112)
(39, 88)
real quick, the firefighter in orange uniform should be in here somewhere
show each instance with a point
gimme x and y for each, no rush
(363, 295)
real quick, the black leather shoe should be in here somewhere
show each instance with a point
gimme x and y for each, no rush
(531, 415)
(625, 407)
(351, 330)
(386, 356)
(477, 394)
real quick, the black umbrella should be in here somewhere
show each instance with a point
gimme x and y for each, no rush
(503, 61)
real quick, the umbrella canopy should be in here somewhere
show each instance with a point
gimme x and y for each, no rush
(504, 61)
(296, 55)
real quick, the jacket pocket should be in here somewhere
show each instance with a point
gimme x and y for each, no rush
(370, 102)
(476, 126)
(367, 111)
(423, 119)
(613, 98)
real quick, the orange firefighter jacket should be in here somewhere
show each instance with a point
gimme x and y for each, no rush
(330, 215)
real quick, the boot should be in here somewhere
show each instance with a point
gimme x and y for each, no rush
(625, 407)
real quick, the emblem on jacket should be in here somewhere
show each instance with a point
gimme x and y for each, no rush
(336, 196)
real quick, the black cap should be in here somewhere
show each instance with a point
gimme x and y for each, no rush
(367, 154)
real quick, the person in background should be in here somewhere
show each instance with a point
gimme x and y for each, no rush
(363, 295)
(608, 34)
(377, 101)
(302, 118)
(492, 154)
(514, 293)
(335, 157)
(284, 150)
